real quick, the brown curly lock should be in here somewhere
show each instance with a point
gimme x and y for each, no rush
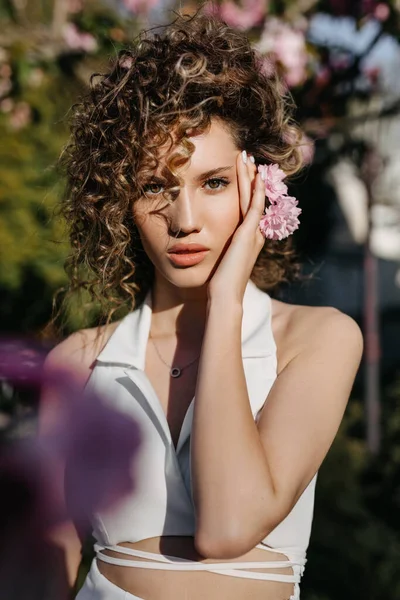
(166, 85)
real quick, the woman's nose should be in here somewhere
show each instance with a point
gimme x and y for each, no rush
(185, 212)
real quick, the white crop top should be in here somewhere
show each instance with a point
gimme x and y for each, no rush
(162, 503)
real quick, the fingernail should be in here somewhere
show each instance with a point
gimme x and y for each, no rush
(244, 157)
(262, 175)
(253, 160)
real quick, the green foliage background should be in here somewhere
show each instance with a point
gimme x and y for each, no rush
(31, 240)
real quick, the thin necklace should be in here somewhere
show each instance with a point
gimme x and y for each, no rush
(173, 371)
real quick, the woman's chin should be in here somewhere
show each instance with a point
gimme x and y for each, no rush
(189, 277)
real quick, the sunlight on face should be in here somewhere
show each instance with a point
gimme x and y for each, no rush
(205, 211)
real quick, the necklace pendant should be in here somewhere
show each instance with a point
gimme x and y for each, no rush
(175, 372)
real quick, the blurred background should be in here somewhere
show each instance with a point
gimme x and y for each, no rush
(341, 61)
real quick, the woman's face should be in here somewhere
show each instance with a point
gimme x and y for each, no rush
(205, 211)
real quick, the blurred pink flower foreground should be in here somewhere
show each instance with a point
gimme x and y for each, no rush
(94, 443)
(81, 463)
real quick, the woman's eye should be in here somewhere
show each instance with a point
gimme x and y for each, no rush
(152, 189)
(216, 184)
(213, 185)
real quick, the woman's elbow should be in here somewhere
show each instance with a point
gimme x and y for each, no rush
(222, 547)
(234, 542)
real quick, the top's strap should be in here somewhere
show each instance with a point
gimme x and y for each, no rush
(301, 561)
(174, 563)
(299, 557)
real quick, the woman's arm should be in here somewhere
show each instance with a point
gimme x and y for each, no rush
(232, 486)
(247, 476)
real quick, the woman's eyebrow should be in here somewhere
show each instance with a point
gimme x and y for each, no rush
(211, 173)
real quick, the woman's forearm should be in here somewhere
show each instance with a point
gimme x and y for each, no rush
(232, 488)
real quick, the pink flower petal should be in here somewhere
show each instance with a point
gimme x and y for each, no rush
(273, 176)
(78, 40)
(280, 219)
(140, 6)
(382, 12)
(288, 47)
(244, 18)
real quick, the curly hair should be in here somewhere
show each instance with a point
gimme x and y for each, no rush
(168, 84)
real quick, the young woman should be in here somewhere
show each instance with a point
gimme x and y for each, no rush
(238, 396)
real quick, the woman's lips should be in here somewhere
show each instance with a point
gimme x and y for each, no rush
(187, 259)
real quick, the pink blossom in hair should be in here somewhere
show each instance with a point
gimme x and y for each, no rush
(273, 177)
(280, 219)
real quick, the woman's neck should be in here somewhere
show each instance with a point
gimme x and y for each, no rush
(178, 311)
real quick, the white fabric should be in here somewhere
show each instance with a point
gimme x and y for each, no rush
(162, 501)
(98, 587)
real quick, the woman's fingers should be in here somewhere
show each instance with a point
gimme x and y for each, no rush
(256, 209)
(246, 171)
(243, 183)
(258, 199)
(252, 196)
(257, 203)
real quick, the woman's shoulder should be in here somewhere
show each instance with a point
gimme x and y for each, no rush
(297, 328)
(75, 354)
(79, 350)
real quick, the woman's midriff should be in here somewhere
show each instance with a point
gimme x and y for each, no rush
(152, 584)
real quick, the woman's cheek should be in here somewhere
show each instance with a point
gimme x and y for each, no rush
(154, 238)
(231, 216)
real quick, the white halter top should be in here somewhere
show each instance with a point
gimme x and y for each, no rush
(162, 502)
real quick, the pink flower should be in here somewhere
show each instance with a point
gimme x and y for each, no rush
(6, 105)
(304, 144)
(77, 40)
(280, 219)
(273, 177)
(244, 18)
(382, 12)
(20, 116)
(5, 87)
(140, 6)
(290, 50)
(95, 442)
(5, 71)
(75, 6)
(288, 47)
(307, 148)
